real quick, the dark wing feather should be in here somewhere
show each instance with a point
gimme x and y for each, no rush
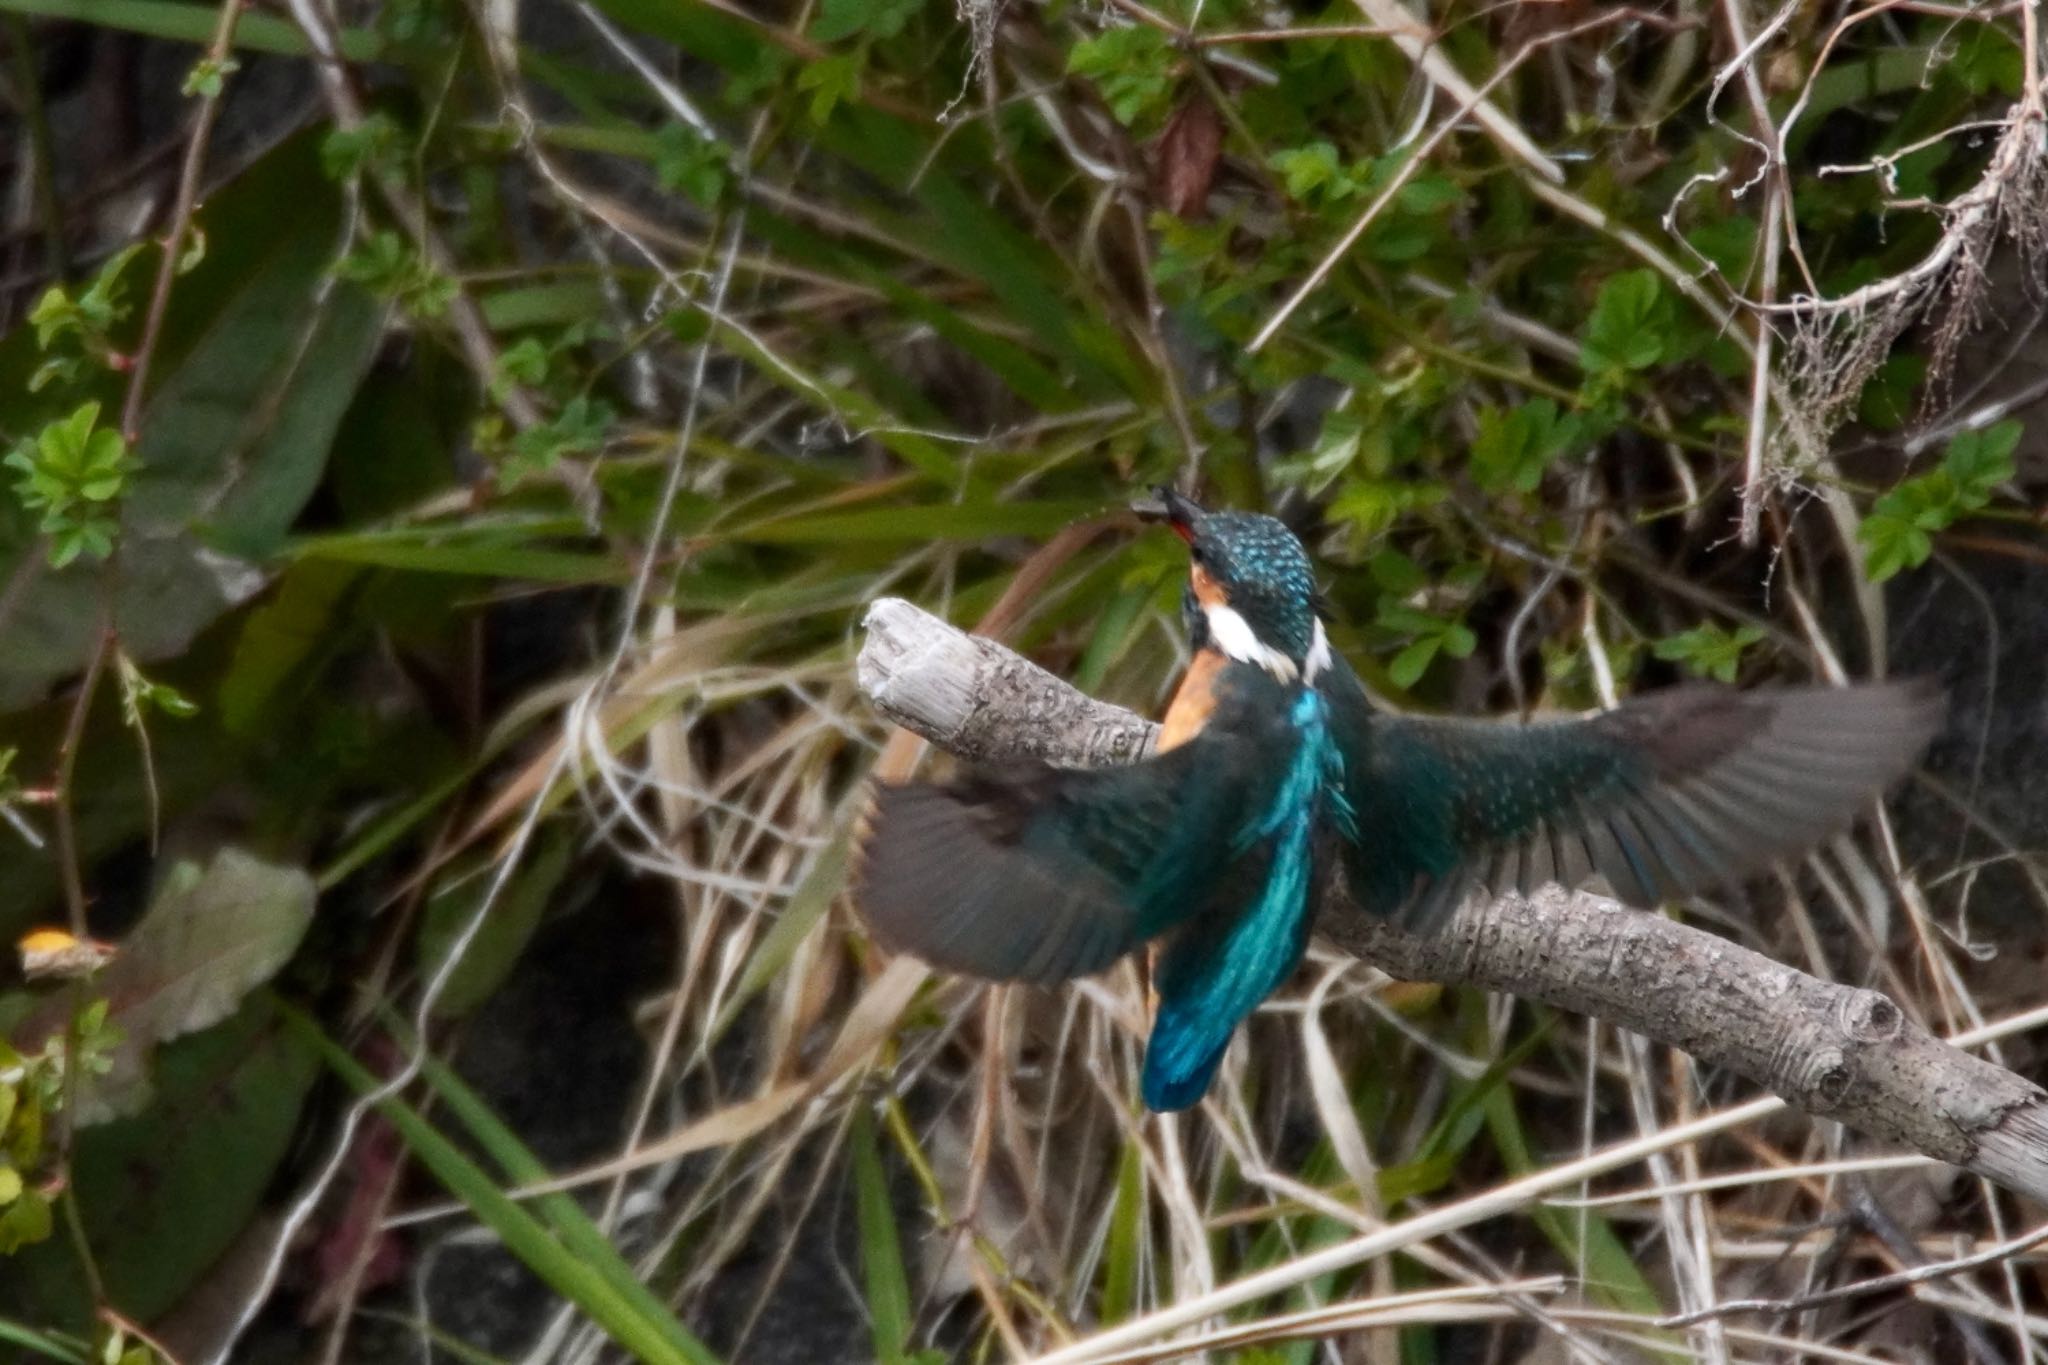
(1041, 874)
(1665, 797)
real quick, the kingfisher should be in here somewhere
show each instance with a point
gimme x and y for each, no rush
(1273, 771)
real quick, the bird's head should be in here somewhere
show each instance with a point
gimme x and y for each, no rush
(1251, 592)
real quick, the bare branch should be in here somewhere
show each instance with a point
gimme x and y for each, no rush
(1834, 1051)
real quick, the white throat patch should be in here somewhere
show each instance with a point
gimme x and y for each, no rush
(1236, 638)
(1318, 654)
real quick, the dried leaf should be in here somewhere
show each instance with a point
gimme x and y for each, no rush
(1184, 158)
(55, 955)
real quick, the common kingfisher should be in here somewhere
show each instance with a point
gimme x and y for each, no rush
(1273, 769)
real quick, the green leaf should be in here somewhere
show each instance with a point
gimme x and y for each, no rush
(259, 358)
(831, 82)
(346, 152)
(1979, 461)
(1709, 650)
(1372, 505)
(1411, 663)
(888, 1287)
(1891, 545)
(1899, 532)
(1513, 448)
(25, 1221)
(1313, 173)
(839, 19)
(180, 21)
(208, 77)
(1429, 194)
(1396, 574)
(1729, 243)
(164, 1193)
(690, 163)
(43, 1344)
(1121, 1256)
(1131, 66)
(1630, 324)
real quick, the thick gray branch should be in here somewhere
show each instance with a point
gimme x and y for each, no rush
(1834, 1051)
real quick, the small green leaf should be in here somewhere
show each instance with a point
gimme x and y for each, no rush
(839, 19)
(1395, 573)
(1313, 172)
(24, 1222)
(831, 81)
(1513, 448)
(686, 162)
(1709, 650)
(347, 152)
(1630, 323)
(1979, 461)
(1429, 194)
(1728, 242)
(1411, 663)
(208, 76)
(1132, 67)
(1891, 545)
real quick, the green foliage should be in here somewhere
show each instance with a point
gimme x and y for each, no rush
(1132, 67)
(578, 429)
(76, 330)
(208, 77)
(830, 82)
(1514, 448)
(140, 694)
(1709, 650)
(1630, 326)
(687, 162)
(374, 144)
(1899, 532)
(1314, 173)
(34, 1086)
(1432, 635)
(72, 475)
(389, 268)
(840, 19)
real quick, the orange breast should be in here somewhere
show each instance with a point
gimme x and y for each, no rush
(1192, 702)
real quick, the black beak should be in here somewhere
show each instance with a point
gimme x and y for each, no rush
(1181, 513)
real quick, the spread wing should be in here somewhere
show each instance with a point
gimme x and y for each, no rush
(1669, 795)
(1041, 874)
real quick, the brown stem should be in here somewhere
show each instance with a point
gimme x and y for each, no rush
(217, 53)
(67, 764)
